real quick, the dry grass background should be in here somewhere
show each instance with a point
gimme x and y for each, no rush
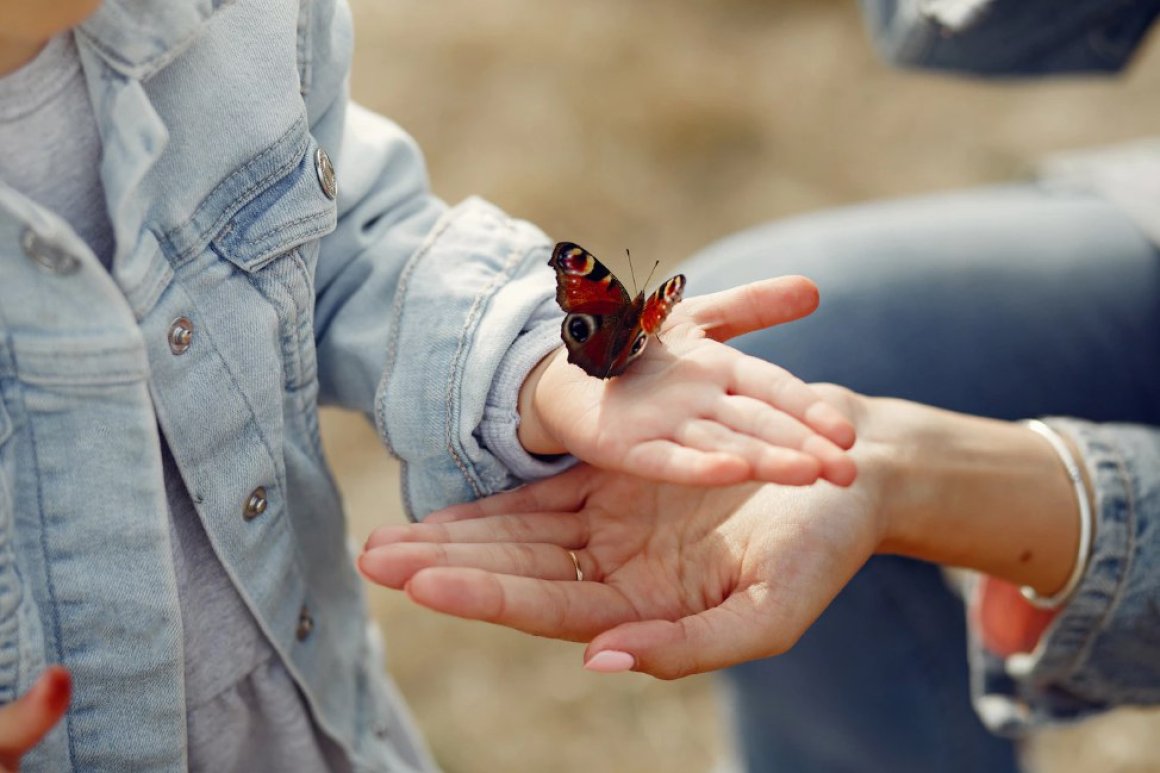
(660, 126)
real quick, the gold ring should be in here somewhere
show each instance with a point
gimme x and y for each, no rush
(576, 563)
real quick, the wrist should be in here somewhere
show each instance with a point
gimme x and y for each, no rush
(533, 432)
(970, 492)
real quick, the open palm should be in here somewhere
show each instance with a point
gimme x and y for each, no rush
(683, 579)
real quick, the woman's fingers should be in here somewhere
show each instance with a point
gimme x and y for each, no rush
(394, 565)
(739, 629)
(557, 528)
(571, 610)
(27, 719)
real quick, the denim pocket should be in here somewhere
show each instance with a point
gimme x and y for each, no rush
(273, 239)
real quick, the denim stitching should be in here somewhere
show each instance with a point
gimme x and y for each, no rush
(289, 224)
(243, 198)
(1085, 649)
(50, 586)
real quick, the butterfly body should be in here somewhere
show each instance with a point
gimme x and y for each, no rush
(605, 329)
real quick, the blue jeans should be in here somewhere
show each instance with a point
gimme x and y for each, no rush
(1007, 302)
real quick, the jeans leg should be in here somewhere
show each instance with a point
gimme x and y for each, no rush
(1007, 302)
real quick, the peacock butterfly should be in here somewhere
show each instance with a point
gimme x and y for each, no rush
(604, 329)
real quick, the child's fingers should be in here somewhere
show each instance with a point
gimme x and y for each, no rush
(775, 386)
(769, 425)
(27, 719)
(770, 462)
(755, 306)
(561, 610)
(666, 460)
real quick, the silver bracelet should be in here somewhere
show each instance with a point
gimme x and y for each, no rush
(1085, 520)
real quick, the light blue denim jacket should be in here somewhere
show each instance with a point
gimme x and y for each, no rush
(1103, 650)
(424, 316)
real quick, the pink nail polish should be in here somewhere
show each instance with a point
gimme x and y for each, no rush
(610, 662)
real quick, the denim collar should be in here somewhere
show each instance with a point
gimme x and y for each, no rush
(136, 38)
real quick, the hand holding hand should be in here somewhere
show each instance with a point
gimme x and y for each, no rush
(693, 410)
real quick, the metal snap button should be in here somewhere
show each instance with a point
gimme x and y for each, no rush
(47, 255)
(256, 504)
(325, 171)
(180, 335)
(305, 624)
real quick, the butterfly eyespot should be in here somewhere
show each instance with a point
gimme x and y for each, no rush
(579, 327)
(638, 345)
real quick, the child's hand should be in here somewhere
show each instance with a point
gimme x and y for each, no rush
(693, 410)
(27, 719)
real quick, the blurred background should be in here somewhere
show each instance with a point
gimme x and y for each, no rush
(660, 126)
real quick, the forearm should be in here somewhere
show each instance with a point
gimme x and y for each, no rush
(976, 493)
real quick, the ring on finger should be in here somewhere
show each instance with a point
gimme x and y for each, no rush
(576, 563)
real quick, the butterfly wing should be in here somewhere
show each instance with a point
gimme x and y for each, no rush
(661, 302)
(600, 314)
(647, 319)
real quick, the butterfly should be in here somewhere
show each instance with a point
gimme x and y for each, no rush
(604, 329)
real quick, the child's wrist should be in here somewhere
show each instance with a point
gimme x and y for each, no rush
(533, 433)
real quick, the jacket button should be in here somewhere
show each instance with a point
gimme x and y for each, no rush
(256, 504)
(325, 171)
(180, 335)
(47, 255)
(305, 624)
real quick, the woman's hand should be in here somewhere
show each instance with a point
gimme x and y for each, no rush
(677, 579)
(28, 718)
(683, 579)
(693, 410)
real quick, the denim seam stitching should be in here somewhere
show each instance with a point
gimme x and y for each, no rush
(397, 313)
(325, 214)
(457, 362)
(243, 198)
(1085, 649)
(50, 586)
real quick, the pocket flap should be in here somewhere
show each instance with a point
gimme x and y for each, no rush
(291, 211)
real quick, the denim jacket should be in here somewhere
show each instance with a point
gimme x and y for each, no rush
(243, 293)
(1103, 649)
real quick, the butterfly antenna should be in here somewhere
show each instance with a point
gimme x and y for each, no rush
(650, 273)
(631, 273)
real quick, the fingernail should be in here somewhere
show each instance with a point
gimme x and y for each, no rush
(610, 662)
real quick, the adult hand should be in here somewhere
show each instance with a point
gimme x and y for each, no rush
(27, 719)
(677, 579)
(683, 579)
(693, 410)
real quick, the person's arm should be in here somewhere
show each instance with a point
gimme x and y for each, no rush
(680, 580)
(430, 319)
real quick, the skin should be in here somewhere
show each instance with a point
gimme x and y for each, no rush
(29, 24)
(684, 579)
(693, 410)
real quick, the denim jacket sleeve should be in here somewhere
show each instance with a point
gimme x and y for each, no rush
(427, 317)
(1103, 649)
(1009, 37)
